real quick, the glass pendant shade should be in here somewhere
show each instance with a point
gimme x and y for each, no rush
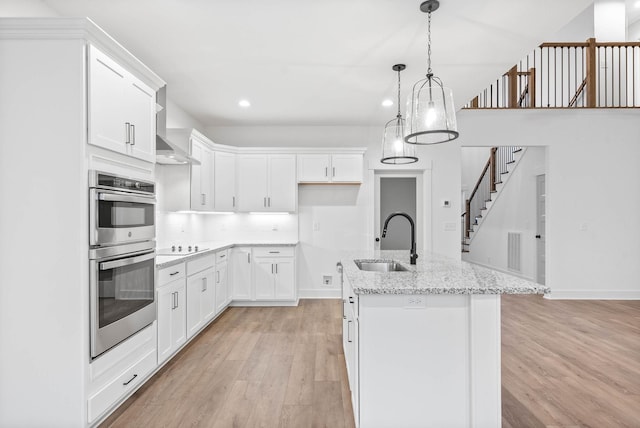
(431, 115)
(394, 150)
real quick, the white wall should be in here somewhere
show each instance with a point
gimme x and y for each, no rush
(514, 210)
(593, 192)
(472, 161)
(610, 21)
(23, 8)
(633, 32)
(178, 118)
(578, 29)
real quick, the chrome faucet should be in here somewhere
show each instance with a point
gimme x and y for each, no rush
(412, 253)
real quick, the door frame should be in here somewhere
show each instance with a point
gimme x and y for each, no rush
(424, 237)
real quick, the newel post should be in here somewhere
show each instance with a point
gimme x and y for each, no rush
(492, 169)
(512, 78)
(591, 72)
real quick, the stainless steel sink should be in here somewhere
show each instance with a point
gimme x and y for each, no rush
(380, 265)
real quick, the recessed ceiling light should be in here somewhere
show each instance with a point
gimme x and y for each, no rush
(244, 103)
(387, 103)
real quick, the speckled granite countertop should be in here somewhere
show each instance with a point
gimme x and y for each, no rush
(432, 274)
(163, 261)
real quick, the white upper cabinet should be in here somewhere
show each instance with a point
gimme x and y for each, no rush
(224, 181)
(121, 109)
(201, 177)
(330, 168)
(266, 182)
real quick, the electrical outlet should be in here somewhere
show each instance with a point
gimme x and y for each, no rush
(327, 280)
(274, 227)
(415, 301)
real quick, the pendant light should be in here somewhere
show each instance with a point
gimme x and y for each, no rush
(431, 116)
(394, 149)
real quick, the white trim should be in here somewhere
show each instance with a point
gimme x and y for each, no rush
(266, 303)
(327, 293)
(593, 295)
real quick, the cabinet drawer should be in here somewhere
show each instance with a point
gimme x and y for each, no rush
(128, 380)
(170, 273)
(222, 256)
(200, 264)
(273, 252)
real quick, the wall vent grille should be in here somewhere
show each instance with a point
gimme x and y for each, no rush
(513, 251)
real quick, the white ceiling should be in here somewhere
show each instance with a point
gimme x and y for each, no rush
(321, 62)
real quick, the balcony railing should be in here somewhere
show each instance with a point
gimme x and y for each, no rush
(569, 75)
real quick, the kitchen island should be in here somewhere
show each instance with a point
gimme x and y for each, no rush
(422, 345)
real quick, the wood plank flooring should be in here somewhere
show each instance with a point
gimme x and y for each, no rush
(570, 363)
(252, 367)
(564, 364)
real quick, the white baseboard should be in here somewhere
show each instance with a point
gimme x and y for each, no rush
(593, 295)
(328, 293)
(250, 303)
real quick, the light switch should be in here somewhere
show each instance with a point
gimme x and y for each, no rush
(316, 226)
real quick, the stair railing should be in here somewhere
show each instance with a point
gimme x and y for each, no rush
(498, 164)
(575, 74)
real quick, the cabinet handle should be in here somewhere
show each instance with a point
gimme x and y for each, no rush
(326, 171)
(233, 203)
(174, 273)
(217, 277)
(203, 199)
(248, 257)
(349, 331)
(271, 268)
(173, 300)
(127, 132)
(177, 301)
(333, 172)
(274, 252)
(204, 284)
(222, 256)
(269, 200)
(276, 268)
(351, 300)
(133, 134)
(130, 380)
(265, 202)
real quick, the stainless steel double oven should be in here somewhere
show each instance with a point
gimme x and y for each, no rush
(121, 258)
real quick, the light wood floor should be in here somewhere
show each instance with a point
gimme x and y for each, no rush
(570, 363)
(252, 367)
(564, 364)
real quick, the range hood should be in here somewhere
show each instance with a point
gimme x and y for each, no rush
(168, 153)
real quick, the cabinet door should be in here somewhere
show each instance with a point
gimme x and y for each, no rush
(201, 177)
(179, 317)
(347, 168)
(166, 302)
(107, 82)
(141, 103)
(195, 288)
(264, 279)
(282, 183)
(313, 168)
(241, 278)
(224, 181)
(252, 182)
(221, 287)
(208, 296)
(285, 279)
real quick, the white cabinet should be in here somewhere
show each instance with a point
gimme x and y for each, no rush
(274, 273)
(266, 182)
(241, 273)
(121, 109)
(222, 284)
(171, 297)
(330, 168)
(201, 290)
(201, 177)
(350, 330)
(224, 181)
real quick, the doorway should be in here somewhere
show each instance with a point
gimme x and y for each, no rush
(399, 192)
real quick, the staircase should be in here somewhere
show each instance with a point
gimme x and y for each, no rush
(500, 165)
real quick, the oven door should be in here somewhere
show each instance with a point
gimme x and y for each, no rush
(120, 217)
(122, 297)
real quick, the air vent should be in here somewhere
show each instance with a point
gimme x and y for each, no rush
(513, 251)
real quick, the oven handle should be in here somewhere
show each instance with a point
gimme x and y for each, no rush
(123, 197)
(126, 261)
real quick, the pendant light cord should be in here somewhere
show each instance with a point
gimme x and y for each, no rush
(399, 116)
(429, 72)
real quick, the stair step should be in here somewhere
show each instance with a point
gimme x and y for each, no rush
(512, 161)
(518, 150)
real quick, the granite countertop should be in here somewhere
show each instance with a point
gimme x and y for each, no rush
(432, 274)
(213, 246)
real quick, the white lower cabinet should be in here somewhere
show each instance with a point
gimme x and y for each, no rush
(274, 273)
(223, 297)
(350, 338)
(201, 293)
(118, 372)
(241, 277)
(171, 296)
